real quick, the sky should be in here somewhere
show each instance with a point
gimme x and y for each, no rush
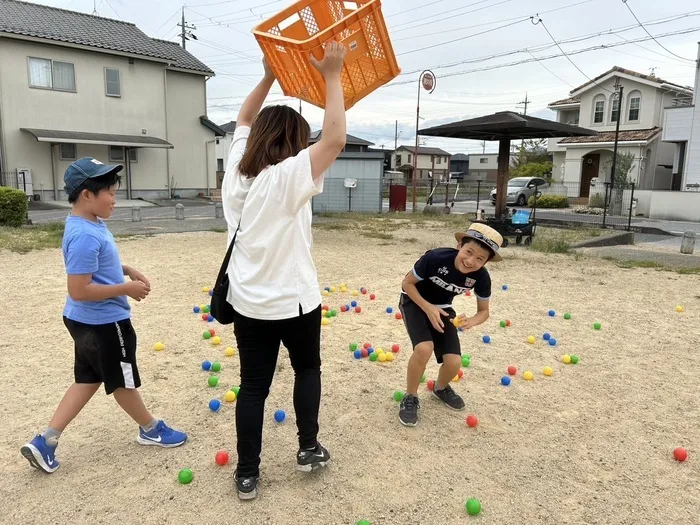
(470, 45)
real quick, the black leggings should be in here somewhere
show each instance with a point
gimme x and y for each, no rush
(258, 346)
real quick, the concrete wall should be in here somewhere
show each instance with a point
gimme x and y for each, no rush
(367, 168)
(675, 206)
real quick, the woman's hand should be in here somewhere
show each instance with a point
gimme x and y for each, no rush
(268, 70)
(333, 59)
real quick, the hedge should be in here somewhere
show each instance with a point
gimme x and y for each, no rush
(550, 201)
(13, 207)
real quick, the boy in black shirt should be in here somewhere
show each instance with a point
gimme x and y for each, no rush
(426, 305)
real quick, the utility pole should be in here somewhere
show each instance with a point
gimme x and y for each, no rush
(483, 147)
(186, 30)
(619, 88)
(396, 136)
(524, 103)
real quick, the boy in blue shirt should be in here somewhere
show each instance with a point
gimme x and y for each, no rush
(97, 315)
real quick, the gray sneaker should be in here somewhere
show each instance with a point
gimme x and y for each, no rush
(408, 411)
(450, 398)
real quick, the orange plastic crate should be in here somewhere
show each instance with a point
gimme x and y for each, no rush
(288, 39)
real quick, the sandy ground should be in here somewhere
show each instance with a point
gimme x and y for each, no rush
(591, 444)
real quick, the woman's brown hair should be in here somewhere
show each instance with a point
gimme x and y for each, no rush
(277, 133)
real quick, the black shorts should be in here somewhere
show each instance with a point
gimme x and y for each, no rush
(105, 353)
(421, 330)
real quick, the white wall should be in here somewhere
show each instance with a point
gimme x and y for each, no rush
(675, 206)
(367, 169)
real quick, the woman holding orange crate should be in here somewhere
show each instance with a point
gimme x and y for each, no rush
(270, 179)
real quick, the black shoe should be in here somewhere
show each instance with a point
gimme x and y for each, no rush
(247, 487)
(310, 460)
(408, 412)
(449, 397)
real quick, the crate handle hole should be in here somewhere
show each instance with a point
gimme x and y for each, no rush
(284, 24)
(350, 6)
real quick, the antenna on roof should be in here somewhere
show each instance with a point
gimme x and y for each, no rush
(652, 71)
(94, 7)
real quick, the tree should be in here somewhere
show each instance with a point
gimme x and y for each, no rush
(532, 160)
(623, 167)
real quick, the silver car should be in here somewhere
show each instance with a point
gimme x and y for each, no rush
(520, 190)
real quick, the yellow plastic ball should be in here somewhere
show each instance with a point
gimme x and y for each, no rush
(380, 350)
(325, 321)
(548, 371)
(229, 352)
(566, 358)
(389, 356)
(355, 293)
(202, 307)
(333, 289)
(158, 346)
(680, 309)
(343, 289)
(528, 376)
(216, 340)
(230, 396)
(325, 293)
(381, 358)
(455, 379)
(531, 340)
(205, 289)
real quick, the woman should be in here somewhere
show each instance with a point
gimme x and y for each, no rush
(270, 179)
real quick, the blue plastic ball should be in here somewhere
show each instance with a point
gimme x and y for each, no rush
(486, 339)
(196, 309)
(505, 287)
(357, 354)
(206, 366)
(552, 313)
(546, 337)
(280, 416)
(370, 350)
(505, 380)
(353, 304)
(211, 293)
(552, 342)
(348, 307)
(210, 318)
(389, 309)
(214, 405)
(328, 289)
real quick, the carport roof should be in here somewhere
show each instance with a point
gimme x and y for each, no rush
(106, 139)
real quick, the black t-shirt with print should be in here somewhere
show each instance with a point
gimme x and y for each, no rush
(440, 282)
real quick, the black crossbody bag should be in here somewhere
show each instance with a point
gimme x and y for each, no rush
(221, 309)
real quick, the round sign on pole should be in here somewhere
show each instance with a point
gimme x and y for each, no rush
(428, 81)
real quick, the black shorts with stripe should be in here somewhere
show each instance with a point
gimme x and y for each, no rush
(421, 330)
(105, 353)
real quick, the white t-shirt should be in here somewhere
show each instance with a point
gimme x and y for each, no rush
(271, 272)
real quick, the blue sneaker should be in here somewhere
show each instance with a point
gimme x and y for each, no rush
(40, 455)
(161, 436)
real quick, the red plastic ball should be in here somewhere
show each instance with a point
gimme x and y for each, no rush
(508, 323)
(430, 384)
(395, 348)
(205, 317)
(365, 352)
(363, 291)
(680, 454)
(399, 316)
(460, 373)
(468, 293)
(367, 345)
(372, 297)
(512, 370)
(472, 421)
(325, 307)
(358, 309)
(212, 332)
(221, 458)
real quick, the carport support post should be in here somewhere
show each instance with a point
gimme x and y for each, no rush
(502, 180)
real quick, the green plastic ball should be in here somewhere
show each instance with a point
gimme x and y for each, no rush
(216, 367)
(398, 396)
(206, 335)
(363, 522)
(597, 326)
(574, 359)
(423, 379)
(235, 390)
(206, 310)
(328, 314)
(503, 324)
(466, 361)
(334, 313)
(473, 507)
(213, 381)
(567, 316)
(353, 347)
(185, 476)
(373, 356)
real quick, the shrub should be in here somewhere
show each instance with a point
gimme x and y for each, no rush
(13, 207)
(550, 201)
(596, 201)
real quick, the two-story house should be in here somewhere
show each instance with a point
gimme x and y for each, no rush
(433, 161)
(595, 105)
(75, 85)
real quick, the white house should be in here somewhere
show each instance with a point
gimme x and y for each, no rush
(75, 85)
(595, 105)
(223, 145)
(430, 160)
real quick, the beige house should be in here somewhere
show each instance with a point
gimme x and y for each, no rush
(580, 162)
(431, 161)
(75, 85)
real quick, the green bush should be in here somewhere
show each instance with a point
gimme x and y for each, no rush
(550, 201)
(596, 201)
(13, 207)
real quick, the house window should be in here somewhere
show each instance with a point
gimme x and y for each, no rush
(615, 109)
(599, 112)
(113, 86)
(50, 74)
(116, 154)
(483, 160)
(133, 155)
(219, 164)
(635, 106)
(67, 151)
(439, 160)
(410, 159)
(398, 160)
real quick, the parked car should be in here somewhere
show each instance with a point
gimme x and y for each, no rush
(520, 189)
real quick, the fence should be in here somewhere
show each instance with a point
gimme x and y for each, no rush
(603, 207)
(9, 178)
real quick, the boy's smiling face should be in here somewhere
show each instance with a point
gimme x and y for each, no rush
(472, 256)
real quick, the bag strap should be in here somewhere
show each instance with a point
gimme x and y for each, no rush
(227, 258)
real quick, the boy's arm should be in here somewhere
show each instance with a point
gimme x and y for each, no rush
(482, 315)
(135, 275)
(433, 312)
(81, 288)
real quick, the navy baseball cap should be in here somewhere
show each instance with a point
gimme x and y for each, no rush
(86, 168)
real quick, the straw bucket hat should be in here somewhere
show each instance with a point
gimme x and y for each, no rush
(486, 236)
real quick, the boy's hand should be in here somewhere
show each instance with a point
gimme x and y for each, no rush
(463, 322)
(333, 60)
(135, 275)
(137, 290)
(435, 315)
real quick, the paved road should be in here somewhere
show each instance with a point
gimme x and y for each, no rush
(124, 214)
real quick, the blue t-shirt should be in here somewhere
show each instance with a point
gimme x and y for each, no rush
(89, 247)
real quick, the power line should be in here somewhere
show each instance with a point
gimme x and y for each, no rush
(549, 70)
(237, 12)
(177, 12)
(422, 6)
(454, 11)
(652, 36)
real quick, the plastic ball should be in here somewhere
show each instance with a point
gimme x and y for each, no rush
(211, 293)
(566, 359)
(235, 390)
(216, 366)
(552, 313)
(325, 293)
(358, 309)
(196, 309)
(206, 366)
(213, 381)
(465, 361)
(503, 324)
(468, 293)
(327, 289)
(333, 289)
(389, 357)
(206, 309)
(399, 315)
(328, 314)
(216, 340)
(528, 376)
(486, 339)
(472, 421)
(395, 348)
(325, 322)
(229, 352)
(547, 371)
(158, 347)
(505, 380)
(205, 317)
(546, 337)
(363, 522)
(358, 354)
(680, 454)
(680, 309)
(460, 373)
(423, 379)
(373, 356)
(343, 308)
(230, 396)
(431, 384)
(372, 297)
(365, 352)
(382, 358)
(280, 416)
(504, 287)
(367, 345)
(512, 370)
(185, 476)
(597, 326)
(473, 507)
(508, 322)
(567, 316)
(353, 347)
(531, 340)
(205, 289)
(389, 310)
(206, 335)
(355, 293)
(398, 396)
(552, 342)
(455, 379)
(574, 359)
(353, 304)
(214, 405)
(221, 458)
(210, 319)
